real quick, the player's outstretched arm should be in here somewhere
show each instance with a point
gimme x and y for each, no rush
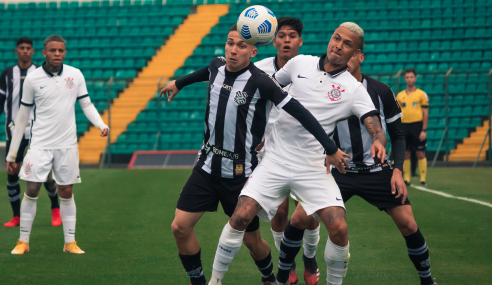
(20, 126)
(92, 114)
(373, 127)
(172, 88)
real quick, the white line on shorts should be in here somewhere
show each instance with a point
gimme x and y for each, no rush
(451, 196)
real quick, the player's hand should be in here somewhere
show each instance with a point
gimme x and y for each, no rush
(422, 136)
(338, 160)
(378, 150)
(169, 91)
(398, 183)
(105, 132)
(260, 146)
(11, 165)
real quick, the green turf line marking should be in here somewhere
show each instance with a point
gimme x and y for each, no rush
(451, 196)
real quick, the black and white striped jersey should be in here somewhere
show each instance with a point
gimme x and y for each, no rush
(11, 83)
(352, 137)
(236, 116)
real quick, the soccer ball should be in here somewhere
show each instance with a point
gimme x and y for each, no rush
(257, 25)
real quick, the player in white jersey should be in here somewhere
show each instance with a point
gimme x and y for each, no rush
(287, 42)
(51, 91)
(294, 162)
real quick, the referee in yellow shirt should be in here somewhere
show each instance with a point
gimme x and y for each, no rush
(415, 108)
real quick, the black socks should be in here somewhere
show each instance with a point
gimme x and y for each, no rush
(13, 189)
(290, 246)
(419, 254)
(193, 267)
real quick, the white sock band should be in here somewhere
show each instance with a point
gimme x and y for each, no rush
(337, 259)
(311, 239)
(277, 237)
(68, 213)
(229, 244)
(28, 212)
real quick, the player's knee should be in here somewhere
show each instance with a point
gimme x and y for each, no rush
(32, 189)
(420, 154)
(240, 222)
(300, 222)
(407, 227)
(180, 231)
(338, 230)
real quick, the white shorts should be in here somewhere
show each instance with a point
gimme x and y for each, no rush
(38, 163)
(272, 181)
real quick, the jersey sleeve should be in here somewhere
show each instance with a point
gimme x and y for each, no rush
(362, 105)
(424, 101)
(271, 90)
(391, 107)
(27, 93)
(3, 83)
(82, 88)
(283, 76)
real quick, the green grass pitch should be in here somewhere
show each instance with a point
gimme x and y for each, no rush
(124, 218)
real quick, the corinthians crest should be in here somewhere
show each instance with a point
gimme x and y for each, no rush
(336, 93)
(28, 168)
(240, 98)
(70, 84)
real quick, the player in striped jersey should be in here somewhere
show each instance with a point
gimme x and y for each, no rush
(239, 101)
(11, 84)
(287, 42)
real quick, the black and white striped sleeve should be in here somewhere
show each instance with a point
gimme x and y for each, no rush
(392, 111)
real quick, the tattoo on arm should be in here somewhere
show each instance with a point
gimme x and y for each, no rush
(373, 127)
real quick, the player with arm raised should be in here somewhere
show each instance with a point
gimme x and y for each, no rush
(287, 42)
(51, 91)
(294, 162)
(11, 84)
(239, 102)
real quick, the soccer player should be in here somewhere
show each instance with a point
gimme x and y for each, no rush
(11, 83)
(52, 92)
(287, 42)
(295, 163)
(415, 108)
(239, 101)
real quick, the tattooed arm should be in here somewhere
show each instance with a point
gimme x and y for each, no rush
(373, 127)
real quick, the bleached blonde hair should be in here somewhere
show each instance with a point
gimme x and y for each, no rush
(354, 28)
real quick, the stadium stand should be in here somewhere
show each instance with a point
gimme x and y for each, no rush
(119, 38)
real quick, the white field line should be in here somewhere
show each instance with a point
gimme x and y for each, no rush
(451, 196)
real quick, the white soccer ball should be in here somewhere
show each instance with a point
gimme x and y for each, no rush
(257, 25)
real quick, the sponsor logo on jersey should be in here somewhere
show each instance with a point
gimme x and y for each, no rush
(403, 104)
(239, 169)
(227, 87)
(70, 84)
(336, 93)
(28, 168)
(240, 97)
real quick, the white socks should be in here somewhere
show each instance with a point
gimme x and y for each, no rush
(28, 212)
(67, 213)
(229, 244)
(277, 237)
(337, 259)
(311, 239)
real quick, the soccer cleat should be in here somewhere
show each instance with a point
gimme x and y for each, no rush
(406, 183)
(72, 248)
(270, 280)
(20, 248)
(434, 282)
(13, 223)
(56, 218)
(423, 184)
(311, 270)
(293, 275)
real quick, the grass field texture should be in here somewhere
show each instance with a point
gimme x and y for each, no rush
(124, 218)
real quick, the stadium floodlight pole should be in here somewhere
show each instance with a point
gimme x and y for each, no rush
(157, 144)
(397, 81)
(446, 89)
(490, 116)
(481, 147)
(439, 147)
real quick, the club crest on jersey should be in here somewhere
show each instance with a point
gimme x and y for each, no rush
(336, 93)
(28, 168)
(240, 98)
(70, 84)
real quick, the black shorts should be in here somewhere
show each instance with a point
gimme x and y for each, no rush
(374, 187)
(412, 132)
(20, 153)
(202, 193)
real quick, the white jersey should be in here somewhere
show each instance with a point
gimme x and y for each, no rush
(330, 96)
(269, 66)
(53, 98)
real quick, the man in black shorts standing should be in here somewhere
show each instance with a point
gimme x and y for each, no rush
(378, 182)
(11, 82)
(239, 100)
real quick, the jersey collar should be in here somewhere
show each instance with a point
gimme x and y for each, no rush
(333, 73)
(275, 64)
(49, 73)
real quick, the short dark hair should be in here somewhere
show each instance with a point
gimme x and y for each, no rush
(294, 23)
(233, 28)
(411, 70)
(54, 38)
(23, 40)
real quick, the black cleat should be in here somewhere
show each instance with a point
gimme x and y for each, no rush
(423, 184)
(311, 270)
(414, 174)
(406, 183)
(270, 280)
(293, 275)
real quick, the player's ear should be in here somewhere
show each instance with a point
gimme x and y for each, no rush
(301, 41)
(43, 52)
(254, 52)
(362, 57)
